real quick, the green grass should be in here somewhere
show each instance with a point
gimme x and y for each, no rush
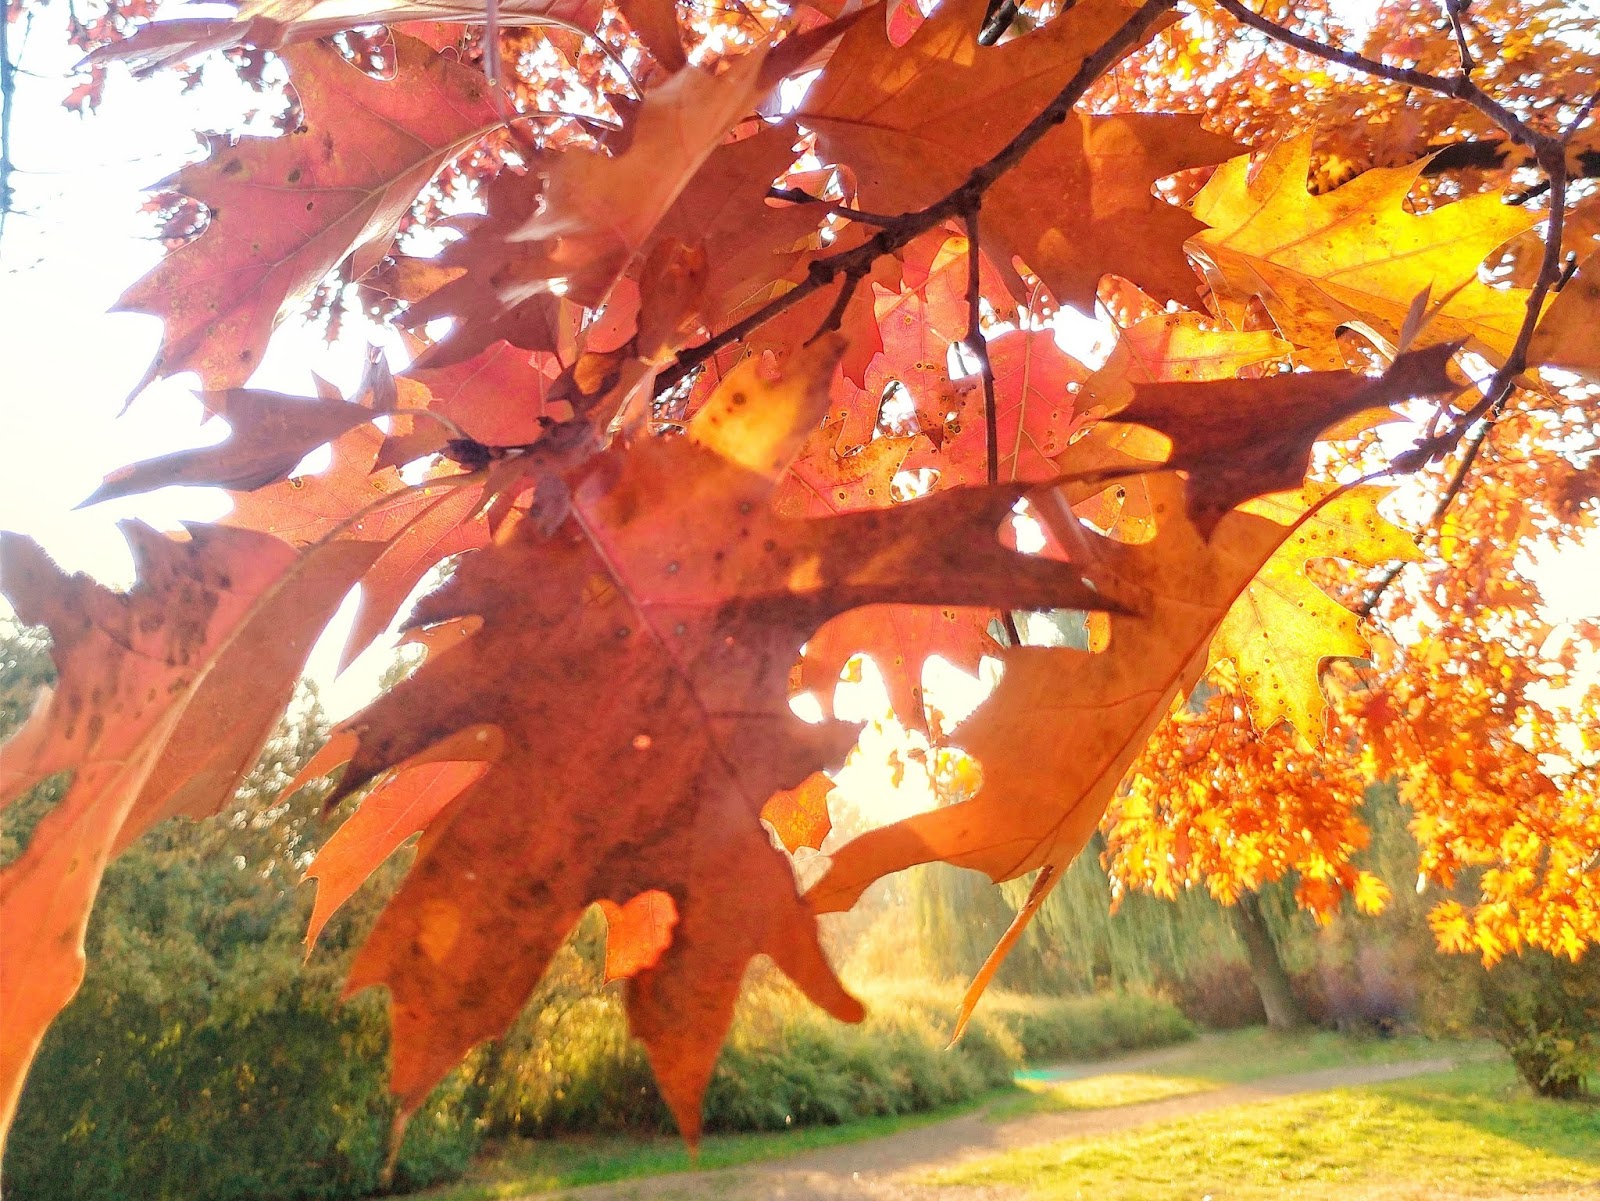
(1214, 1061)
(1245, 1055)
(519, 1167)
(1474, 1131)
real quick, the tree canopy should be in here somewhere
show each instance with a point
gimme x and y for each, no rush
(739, 350)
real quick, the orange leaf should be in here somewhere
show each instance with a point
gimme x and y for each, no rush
(165, 697)
(800, 815)
(286, 211)
(637, 933)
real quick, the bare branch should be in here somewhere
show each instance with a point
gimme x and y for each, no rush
(796, 196)
(1457, 11)
(979, 346)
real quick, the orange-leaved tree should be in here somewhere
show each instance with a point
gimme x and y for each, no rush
(748, 345)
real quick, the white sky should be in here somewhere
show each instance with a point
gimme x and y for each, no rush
(67, 364)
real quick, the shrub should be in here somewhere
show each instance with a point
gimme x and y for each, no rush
(1219, 995)
(1089, 1027)
(1545, 1011)
(568, 1064)
(145, 1100)
(201, 1058)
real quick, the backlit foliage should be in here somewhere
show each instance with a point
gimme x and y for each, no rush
(748, 336)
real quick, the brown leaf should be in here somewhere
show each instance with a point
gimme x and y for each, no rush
(1081, 204)
(1217, 426)
(1566, 335)
(271, 434)
(286, 211)
(662, 618)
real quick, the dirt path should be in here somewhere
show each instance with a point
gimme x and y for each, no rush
(880, 1169)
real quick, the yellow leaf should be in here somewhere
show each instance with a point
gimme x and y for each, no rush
(1284, 626)
(1355, 256)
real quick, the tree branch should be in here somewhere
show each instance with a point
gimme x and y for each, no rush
(1456, 10)
(796, 196)
(902, 230)
(979, 345)
(1460, 88)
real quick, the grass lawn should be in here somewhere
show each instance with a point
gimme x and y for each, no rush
(1211, 1062)
(1472, 1132)
(519, 1167)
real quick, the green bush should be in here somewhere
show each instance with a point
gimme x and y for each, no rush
(1089, 1027)
(144, 1101)
(568, 1065)
(202, 1058)
(1545, 1011)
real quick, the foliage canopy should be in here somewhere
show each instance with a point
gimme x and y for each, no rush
(748, 344)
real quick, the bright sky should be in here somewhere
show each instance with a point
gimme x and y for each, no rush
(79, 240)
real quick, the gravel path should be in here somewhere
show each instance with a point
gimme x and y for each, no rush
(881, 1169)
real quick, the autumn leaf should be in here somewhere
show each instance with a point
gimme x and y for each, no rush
(1036, 414)
(1174, 348)
(638, 933)
(749, 240)
(912, 122)
(366, 150)
(1215, 425)
(401, 806)
(828, 478)
(799, 815)
(597, 210)
(271, 434)
(1356, 255)
(499, 397)
(666, 612)
(417, 529)
(1565, 337)
(1082, 205)
(1284, 626)
(273, 23)
(900, 639)
(1063, 725)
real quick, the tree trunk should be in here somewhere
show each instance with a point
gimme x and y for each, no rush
(1284, 1012)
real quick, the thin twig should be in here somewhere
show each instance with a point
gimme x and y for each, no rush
(841, 302)
(1456, 10)
(796, 196)
(979, 346)
(1533, 193)
(8, 90)
(1459, 88)
(1551, 155)
(1458, 478)
(454, 430)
